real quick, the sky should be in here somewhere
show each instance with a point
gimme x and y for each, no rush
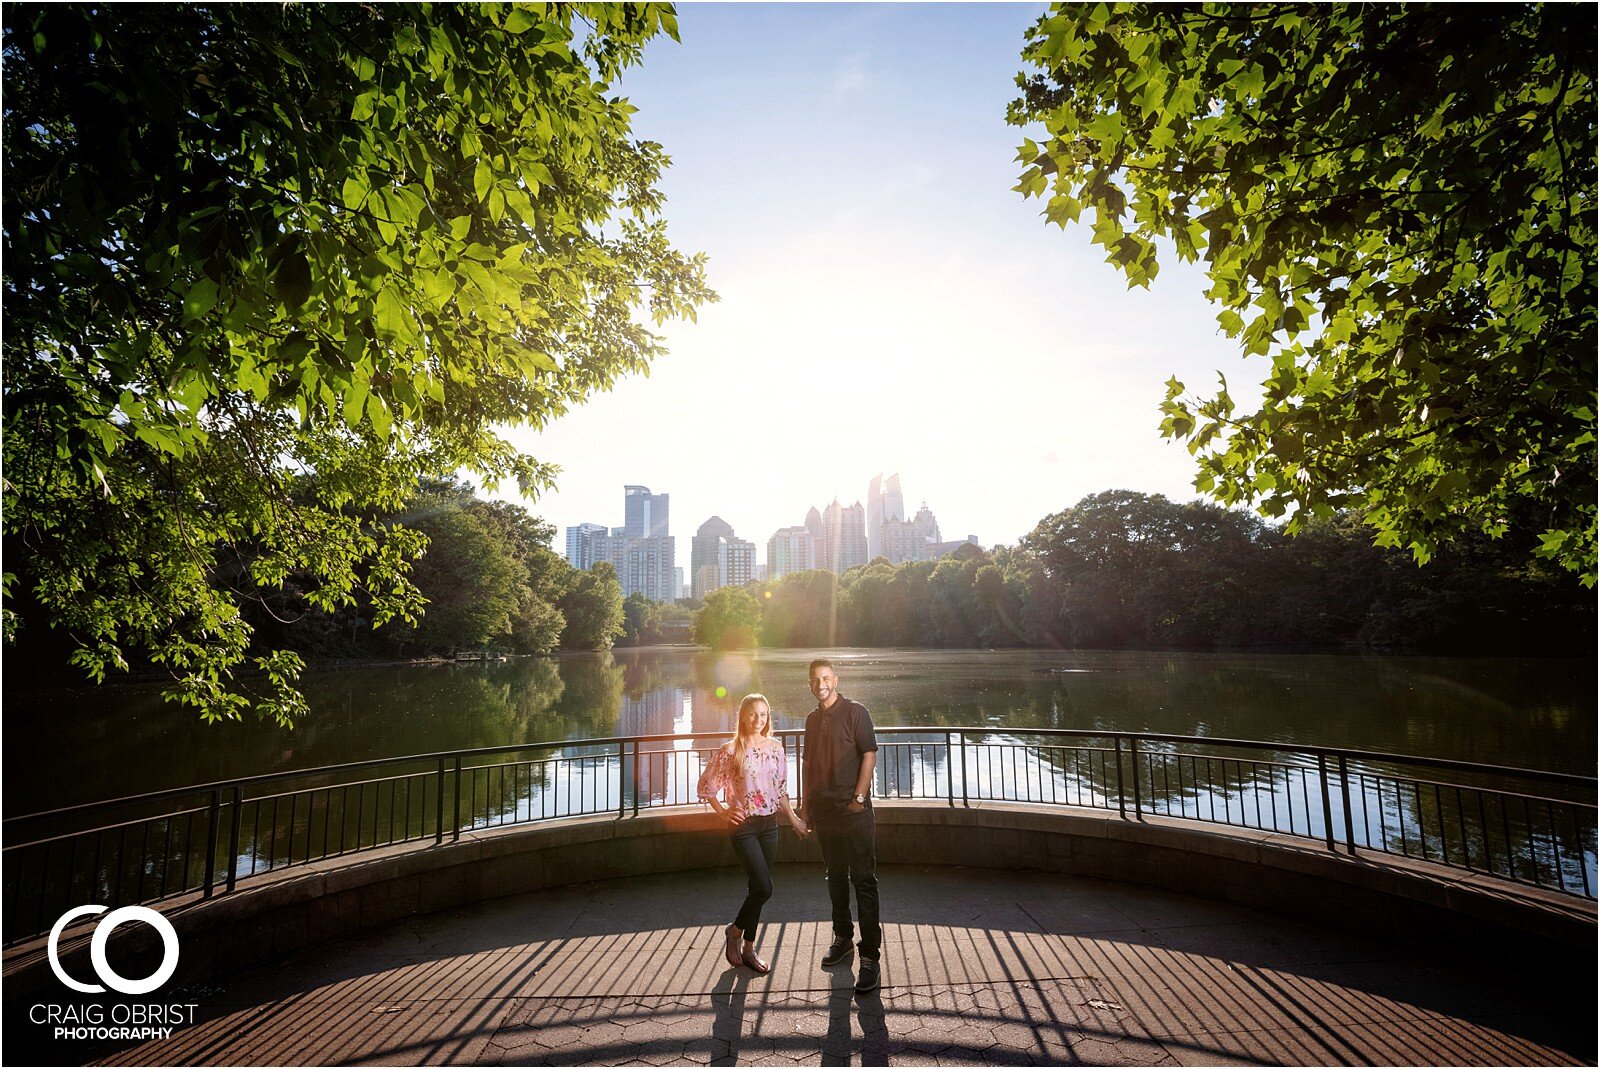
(888, 303)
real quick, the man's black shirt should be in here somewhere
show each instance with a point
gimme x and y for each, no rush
(835, 740)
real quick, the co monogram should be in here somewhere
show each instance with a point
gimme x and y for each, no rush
(97, 949)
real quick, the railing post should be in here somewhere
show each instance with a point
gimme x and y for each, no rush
(635, 777)
(1122, 798)
(1327, 806)
(213, 822)
(233, 837)
(1133, 763)
(438, 805)
(622, 771)
(1349, 821)
(950, 771)
(965, 804)
(455, 831)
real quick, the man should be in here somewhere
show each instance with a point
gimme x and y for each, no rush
(841, 751)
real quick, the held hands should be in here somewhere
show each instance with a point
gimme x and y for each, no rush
(800, 827)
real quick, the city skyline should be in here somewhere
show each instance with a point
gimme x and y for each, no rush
(719, 557)
(888, 302)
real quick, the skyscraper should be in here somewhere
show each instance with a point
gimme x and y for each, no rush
(644, 513)
(884, 503)
(814, 525)
(640, 550)
(736, 562)
(843, 544)
(644, 566)
(703, 567)
(580, 544)
(790, 550)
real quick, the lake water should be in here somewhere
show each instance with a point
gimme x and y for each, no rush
(68, 746)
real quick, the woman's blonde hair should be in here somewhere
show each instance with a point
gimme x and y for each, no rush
(744, 731)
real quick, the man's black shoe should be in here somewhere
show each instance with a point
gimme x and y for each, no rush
(867, 977)
(839, 951)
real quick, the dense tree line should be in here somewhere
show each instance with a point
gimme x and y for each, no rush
(488, 581)
(1121, 569)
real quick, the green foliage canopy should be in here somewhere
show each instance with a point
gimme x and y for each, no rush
(1395, 204)
(641, 620)
(592, 606)
(245, 245)
(470, 577)
(730, 619)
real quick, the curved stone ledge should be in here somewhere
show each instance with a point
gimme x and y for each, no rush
(274, 915)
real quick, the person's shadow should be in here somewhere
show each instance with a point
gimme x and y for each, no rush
(838, 1046)
(728, 1005)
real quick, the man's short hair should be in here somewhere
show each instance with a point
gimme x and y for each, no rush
(820, 662)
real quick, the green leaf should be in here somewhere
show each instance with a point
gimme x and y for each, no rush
(390, 317)
(201, 298)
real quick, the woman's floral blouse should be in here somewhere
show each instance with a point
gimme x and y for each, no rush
(766, 779)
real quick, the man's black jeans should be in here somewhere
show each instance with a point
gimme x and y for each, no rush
(755, 843)
(849, 852)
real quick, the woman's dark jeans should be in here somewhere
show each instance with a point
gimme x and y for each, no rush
(755, 842)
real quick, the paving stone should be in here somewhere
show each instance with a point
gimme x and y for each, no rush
(1096, 1051)
(979, 967)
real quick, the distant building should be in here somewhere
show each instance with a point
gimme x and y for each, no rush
(885, 504)
(843, 537)
(644, 565)
(903, 541)
(719, 558)
(703, 569)
(944, 549)
(843, 544)
(790, 550)
(580, 544)
(677, 583)
(736, 562)
(644, 513)
(640, 550)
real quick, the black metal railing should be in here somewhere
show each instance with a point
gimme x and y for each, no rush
(1515, 824)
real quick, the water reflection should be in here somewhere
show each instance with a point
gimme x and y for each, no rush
(68, 746)
(83, 746)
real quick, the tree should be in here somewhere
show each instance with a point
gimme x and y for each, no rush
(469, 578)
(1400, 217)
(592, 606)
(1138, 569)
(248, 243)
(641, 620)
(536, 624)
(801, 609)
(730, 620)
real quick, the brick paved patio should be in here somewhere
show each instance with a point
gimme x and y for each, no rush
(980, 967)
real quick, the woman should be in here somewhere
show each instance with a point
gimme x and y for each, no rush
(751, 773)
